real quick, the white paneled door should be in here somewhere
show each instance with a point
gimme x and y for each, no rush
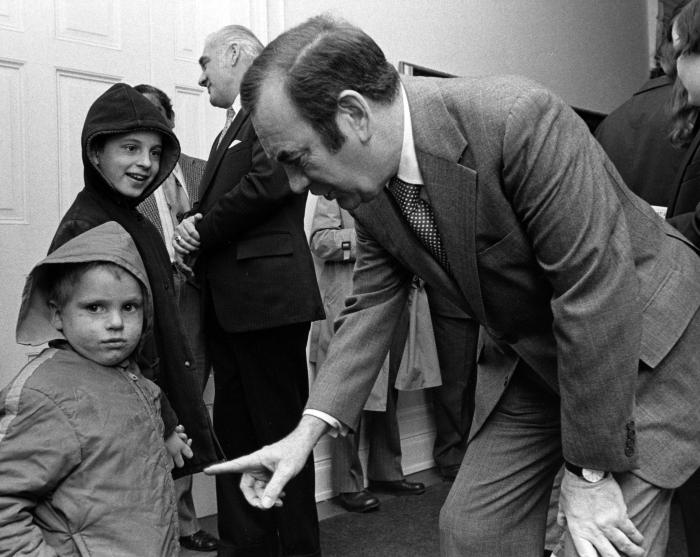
(56, 58)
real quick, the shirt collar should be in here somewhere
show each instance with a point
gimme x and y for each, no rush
(236, 106)
(408, 164)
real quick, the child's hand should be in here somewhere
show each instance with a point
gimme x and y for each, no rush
(178, 446)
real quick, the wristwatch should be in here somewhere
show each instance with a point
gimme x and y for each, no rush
(589, 474)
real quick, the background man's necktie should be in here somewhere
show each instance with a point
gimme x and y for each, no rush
(177, 199)
(230, 115)
(420, 217)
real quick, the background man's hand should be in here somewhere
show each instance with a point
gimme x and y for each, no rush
(266, 471)
(186, 237)
(596, 516)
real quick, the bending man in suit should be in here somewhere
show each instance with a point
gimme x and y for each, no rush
(165, 208)
(588, 300)
(259, 295)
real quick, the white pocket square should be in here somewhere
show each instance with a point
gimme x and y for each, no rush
(234, 143)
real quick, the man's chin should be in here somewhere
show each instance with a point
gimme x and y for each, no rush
(348, 203)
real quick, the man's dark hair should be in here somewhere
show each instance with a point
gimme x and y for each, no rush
(163, 99)
(316, 61)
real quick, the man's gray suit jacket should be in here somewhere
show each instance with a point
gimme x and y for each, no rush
(557, 259)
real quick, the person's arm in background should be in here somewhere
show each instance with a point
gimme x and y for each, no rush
(330, 240)
(689, 225)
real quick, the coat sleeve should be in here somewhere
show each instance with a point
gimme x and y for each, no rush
(38, 449)
(363, 332)
(328, 234)
(257, 195)
(564, 192)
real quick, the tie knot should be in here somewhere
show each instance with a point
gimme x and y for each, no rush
(406, 194)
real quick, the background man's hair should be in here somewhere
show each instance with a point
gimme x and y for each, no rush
(316, 61)
(225, 36)
(163, 99)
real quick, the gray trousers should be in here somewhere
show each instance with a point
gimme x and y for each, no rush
(498, 503)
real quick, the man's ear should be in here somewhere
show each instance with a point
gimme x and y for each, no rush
(56, 319)
(354, 111)
(233, 52)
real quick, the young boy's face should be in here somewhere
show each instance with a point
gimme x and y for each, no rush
(103, 316)
(130, 161)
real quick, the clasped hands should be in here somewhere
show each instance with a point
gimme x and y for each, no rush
(596, 517)
(185, 237)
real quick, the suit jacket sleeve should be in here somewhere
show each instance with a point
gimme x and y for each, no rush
(363, 334)
(258, 194)
(328, 234)
(563, 190)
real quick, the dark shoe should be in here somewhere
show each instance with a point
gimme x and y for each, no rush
(199, 541)
(358, 501)
(398, 487)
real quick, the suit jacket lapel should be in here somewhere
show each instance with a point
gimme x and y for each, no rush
(217, 153)
(450, 186)
(382, 217)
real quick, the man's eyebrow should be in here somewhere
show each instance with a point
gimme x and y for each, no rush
(203, 61)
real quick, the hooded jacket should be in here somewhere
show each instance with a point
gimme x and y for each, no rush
(83, 466)
(166, 356)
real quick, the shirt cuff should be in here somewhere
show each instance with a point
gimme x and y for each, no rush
(337, 428)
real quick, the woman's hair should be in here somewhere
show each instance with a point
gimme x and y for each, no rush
(684, 115)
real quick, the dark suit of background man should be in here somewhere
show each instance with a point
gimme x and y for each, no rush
(588, 300)
(637, 134)
(260, 295)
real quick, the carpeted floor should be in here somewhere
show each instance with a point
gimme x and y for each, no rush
(403, 527)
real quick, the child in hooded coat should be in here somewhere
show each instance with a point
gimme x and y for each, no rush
(122, 112)
(83, 465)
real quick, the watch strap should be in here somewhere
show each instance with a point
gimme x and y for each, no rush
(581, 472)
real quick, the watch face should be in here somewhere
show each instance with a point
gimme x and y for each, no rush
(592, 476)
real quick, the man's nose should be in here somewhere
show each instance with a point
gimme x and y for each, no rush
(298, 181)
(202, 80)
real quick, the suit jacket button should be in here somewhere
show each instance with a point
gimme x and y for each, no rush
(187, 363)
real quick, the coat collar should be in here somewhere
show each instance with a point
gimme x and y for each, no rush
(218, 150)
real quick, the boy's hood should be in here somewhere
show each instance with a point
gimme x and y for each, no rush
(122, 109)
(107, 242)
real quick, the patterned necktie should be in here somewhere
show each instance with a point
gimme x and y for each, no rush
(230, 115)
(420, 217)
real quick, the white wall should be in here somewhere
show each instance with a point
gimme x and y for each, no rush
(594, 53)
